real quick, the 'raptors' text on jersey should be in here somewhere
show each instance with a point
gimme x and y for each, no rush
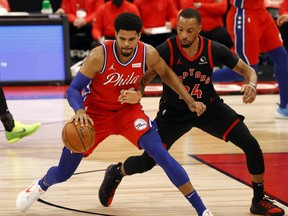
(195, 73)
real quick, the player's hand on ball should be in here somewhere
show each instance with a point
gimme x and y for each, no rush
(81, 117)
(129, 96)
(250, 93)
(198, 107)
(78, 139)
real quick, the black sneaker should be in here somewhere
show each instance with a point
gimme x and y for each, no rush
(112, 179)
(266, 207)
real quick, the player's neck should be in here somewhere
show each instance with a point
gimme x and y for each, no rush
(192, 50)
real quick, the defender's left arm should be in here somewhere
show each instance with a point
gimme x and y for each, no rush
(156, 63)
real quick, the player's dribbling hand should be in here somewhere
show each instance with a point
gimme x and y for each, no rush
(249, 93)
(198, 107)
(82, 117)
(129, 96)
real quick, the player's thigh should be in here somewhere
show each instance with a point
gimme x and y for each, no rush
(133, 123)
(170, 131)
(218, 120)
(271, 37)
(244, 29)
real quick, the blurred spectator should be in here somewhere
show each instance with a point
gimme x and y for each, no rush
(273, 7)
(212, 12)
(80, 14)
(155, 14)
(254, 31)
(177, 4)
(283, 11)
(272, 3)
(4, 6)
(103, 26)
(282, 22)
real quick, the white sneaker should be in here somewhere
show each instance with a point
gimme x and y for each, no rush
(282, 113)
(207, 212)
(27, 197)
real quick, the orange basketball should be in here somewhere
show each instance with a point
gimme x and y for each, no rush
(76, 138)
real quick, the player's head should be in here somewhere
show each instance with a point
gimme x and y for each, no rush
(189, 26)
(127, 28)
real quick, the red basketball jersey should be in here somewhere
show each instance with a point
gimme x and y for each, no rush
(252, 29)
(248, 4)
(101, 102)
(114, 77)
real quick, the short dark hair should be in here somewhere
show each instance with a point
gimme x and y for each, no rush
(189, 13)
(129, 22)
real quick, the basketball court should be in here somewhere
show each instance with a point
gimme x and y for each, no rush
(217, 169)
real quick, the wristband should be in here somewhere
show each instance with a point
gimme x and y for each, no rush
(252, 84)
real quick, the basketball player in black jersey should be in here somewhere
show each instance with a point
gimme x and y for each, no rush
(192, 58)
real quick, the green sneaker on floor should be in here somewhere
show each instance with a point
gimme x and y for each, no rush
(20, 130)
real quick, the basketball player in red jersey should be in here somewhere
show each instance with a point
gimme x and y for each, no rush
(109, 71)
(192, 58)
(254, 31)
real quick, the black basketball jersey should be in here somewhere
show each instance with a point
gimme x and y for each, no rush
(195, 73)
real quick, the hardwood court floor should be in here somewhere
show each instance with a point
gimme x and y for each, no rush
(142, 195)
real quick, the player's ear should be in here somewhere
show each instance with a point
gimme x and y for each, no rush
(139, 35)
(200, 28)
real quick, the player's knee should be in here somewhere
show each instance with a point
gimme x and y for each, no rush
(254, 157)
(252, 147)
(138, 164)
(146, 165)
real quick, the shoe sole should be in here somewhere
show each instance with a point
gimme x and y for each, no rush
(280, 116)
(254, 211)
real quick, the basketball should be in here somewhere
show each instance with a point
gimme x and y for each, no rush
(76, 138)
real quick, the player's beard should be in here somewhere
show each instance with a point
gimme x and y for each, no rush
(126, 54)
(187, 44)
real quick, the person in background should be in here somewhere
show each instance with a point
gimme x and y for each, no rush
(272, 6)
(5, 4)
(254, 31)
(109, 72)
(4, 7)
(282, 22)
(212, 12)
(103, 28)
(81, 14)
(14, 130)
(192, 58)
(177, 4)
(160, 13)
